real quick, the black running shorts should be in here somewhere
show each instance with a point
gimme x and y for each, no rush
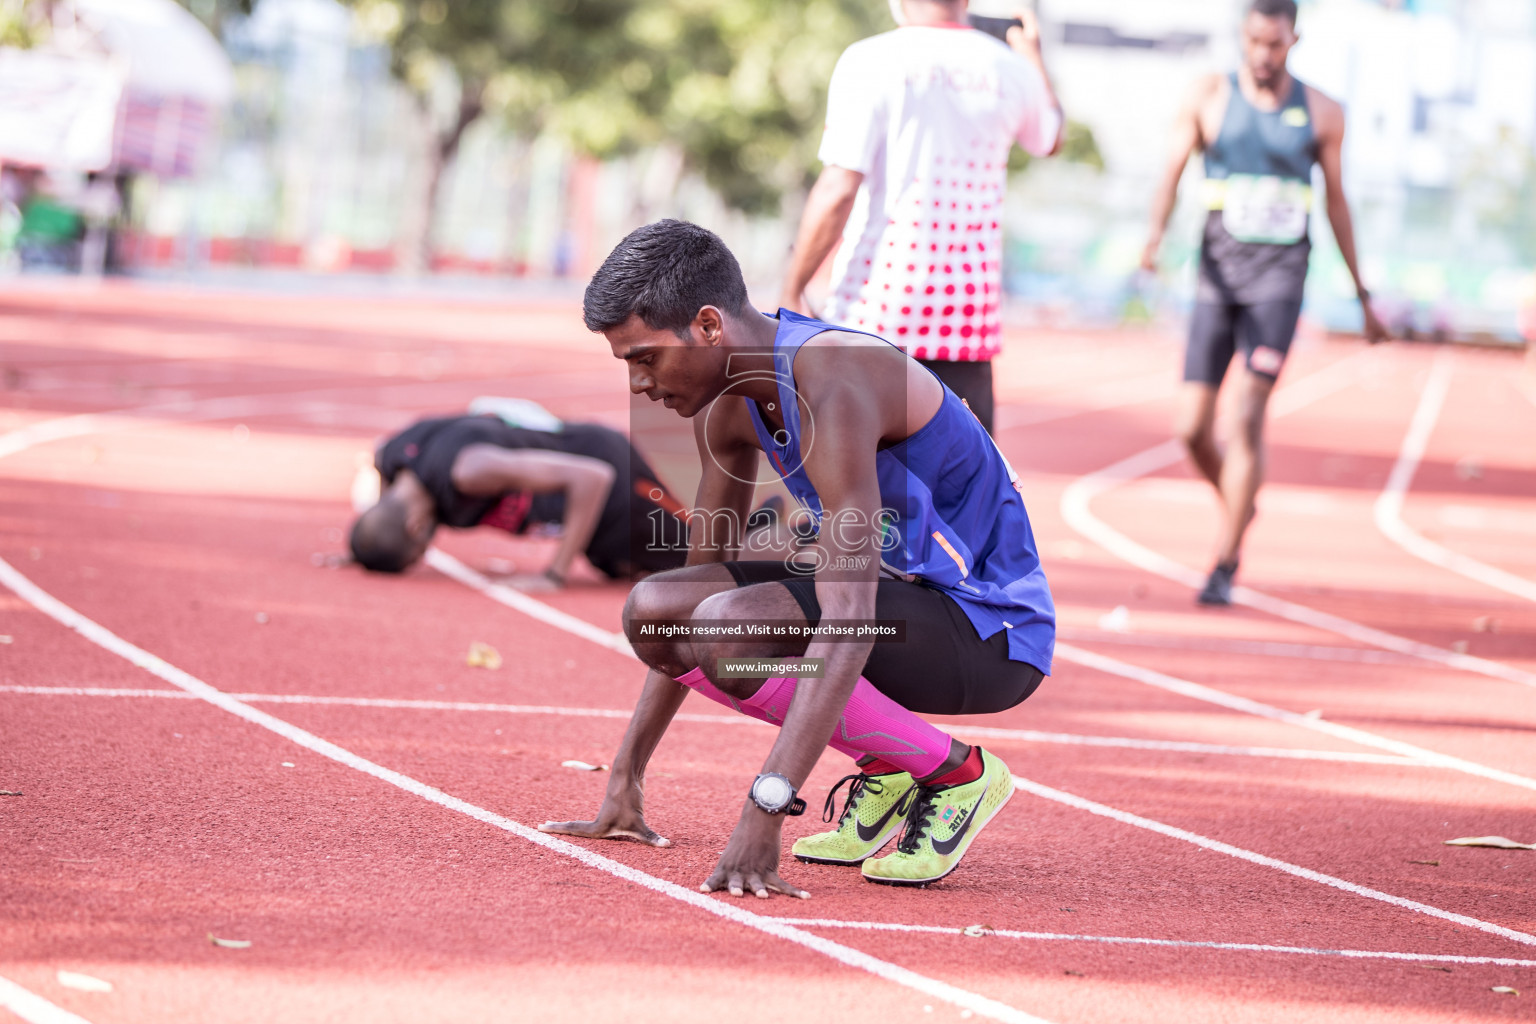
(971, 381)
(942, 667)
(1262, 330)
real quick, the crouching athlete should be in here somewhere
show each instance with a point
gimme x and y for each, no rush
(463, 471)
(921, 524)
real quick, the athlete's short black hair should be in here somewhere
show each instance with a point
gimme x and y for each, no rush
(1275, 9)
(380, 541)
(664, 273)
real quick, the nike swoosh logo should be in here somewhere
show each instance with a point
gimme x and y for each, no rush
(946, 847)
(870, 834)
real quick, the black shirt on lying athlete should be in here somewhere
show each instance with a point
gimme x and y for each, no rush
(632, 521)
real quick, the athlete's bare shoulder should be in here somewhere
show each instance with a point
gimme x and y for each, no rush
(834, 359)
(1204, 105)
(1327, 114)
(1205, 90)
(858, 371)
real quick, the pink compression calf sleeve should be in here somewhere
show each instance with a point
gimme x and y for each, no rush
(871, 723)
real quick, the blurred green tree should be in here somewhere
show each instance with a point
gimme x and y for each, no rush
(24, 23)
(738, 87)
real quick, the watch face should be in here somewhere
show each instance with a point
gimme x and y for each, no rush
(771, 792)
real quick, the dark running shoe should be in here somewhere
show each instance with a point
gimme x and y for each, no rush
(1218, 586)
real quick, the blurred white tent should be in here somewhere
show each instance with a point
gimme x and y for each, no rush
(125, 84)
(58, 110)
(167, 51)
(177, 77)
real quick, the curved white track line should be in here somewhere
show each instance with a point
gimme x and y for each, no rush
(724, 908)
(1389, 505)
(966, 731)
(446, 563)
(33, 1008)
(1125, 940)
(1236, 703)
(1210, 695)
(1077, 499)
(1313, 387)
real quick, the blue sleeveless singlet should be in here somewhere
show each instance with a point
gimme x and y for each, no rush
(957, 520)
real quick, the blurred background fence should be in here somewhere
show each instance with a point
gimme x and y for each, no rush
(497, 139)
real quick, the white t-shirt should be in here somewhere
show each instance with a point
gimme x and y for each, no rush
(927, 114)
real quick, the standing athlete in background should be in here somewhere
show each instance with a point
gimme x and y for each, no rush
(1261, 131)
(919, 124)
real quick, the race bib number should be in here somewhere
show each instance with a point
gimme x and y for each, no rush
(1263, 208)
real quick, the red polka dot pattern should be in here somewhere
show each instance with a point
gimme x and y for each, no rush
(964, 291)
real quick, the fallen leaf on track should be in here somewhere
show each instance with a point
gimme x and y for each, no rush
(83, 982)
(1075, 974)
(1497, 842)
(10, 792)
(1505, 990)
(582, 766)
(483, 656)
(229, 943)
(976, 931)
(1434, 967)
(1431, 863)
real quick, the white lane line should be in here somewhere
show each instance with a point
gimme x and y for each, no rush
(49, 430)
(1198, 691)
(519, 601)
(1389, 504)
(1125, 817)
(1073, 739)
(33, 1008)
(616, 642)
(613, 641)
(979, 732)
(1076, 509)
(720, 907)
(1205, 693)
(1118, 940)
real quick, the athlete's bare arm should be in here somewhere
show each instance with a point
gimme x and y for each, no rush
(484, 470)
(821, 226)
(856, 396)
(1192, 132)
(1024, 39)
(1328, 128)
(728, 458)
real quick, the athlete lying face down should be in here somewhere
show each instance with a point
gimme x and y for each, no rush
(463, 471)
(922, 531)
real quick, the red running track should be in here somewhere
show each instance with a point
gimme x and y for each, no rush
(1176, 853)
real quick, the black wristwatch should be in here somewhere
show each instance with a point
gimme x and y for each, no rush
(773, 794)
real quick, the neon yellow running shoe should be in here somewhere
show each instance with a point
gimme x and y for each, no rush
(870, 818)
(942, 822)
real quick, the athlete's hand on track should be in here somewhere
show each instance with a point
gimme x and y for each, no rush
(1375, 330)
(751, 859)
(618, 818)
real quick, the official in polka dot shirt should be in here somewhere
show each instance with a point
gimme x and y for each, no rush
(915, 152)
